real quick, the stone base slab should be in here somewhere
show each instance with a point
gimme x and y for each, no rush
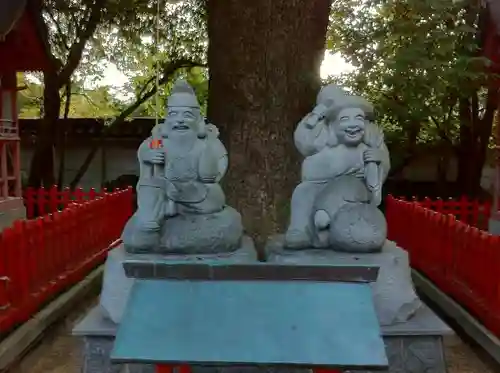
(96, 353)
(415, 354)
(415, 347)
(11, 209)
(405, 354)
(116, 285)
(494, 224)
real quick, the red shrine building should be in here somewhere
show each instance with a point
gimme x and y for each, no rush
(21, 49)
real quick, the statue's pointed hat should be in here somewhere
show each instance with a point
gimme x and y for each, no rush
(329, 94)
(182, 95)
(349, 101)
(335, 98)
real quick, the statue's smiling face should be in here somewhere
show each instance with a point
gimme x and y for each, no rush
(181, 119)
(349, 126)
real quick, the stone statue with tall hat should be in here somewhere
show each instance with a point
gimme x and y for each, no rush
(181, 205)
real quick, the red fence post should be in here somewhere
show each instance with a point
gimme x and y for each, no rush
(40, 257)
(65, 197)
(41, 199)
(464, 213)
(79, 195)
(29, 202)
(53, 199)
(460, 259)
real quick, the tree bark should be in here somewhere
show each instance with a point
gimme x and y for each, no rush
(62, 138)
(42, 162)
(475, 133)
(264, 58)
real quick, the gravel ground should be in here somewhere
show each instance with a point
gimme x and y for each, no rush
(59, 351)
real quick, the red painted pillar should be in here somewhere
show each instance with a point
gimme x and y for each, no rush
(10, 167)
(497, 163)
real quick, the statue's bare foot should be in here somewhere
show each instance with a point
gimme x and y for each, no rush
(297, 239)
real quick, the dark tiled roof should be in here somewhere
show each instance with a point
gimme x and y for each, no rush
(136, 128)
(24, 42)
(10, 12)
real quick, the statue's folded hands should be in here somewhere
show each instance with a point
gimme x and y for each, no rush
(154, 156)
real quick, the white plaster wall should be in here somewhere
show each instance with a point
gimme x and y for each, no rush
(425, 169)
(122, 160)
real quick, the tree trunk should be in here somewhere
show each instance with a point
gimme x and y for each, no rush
(475, 133)
(42, 162)
(264, 58)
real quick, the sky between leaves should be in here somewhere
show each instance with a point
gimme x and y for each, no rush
(333, 64)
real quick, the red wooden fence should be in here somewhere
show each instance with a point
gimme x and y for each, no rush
(470, 211)
(39, 202)
(463, 261)
(40, 258)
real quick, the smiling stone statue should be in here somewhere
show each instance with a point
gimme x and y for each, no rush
(181, 206)
(335, 205)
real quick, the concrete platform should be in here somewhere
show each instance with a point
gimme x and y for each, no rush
(413, 347)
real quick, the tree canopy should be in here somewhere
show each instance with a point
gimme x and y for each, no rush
(152, 44)
(420, 62)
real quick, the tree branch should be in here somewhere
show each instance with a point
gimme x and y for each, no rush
(62, 137)
(145, 86)
(486, 122)
(60, 33)
(442, 133)
(37, 8)
(78, 46)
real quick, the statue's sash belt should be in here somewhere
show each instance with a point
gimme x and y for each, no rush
(152, 182)
(191, 191)
(186, 191)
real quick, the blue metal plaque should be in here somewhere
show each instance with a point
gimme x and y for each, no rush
(297, 323)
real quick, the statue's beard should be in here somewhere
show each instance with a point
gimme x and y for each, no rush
(182, 139)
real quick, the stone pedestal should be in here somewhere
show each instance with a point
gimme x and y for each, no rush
(116, 286)
(98, 334)
(412, 332)
(11, 209)
(494, 224)
(98, 328)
